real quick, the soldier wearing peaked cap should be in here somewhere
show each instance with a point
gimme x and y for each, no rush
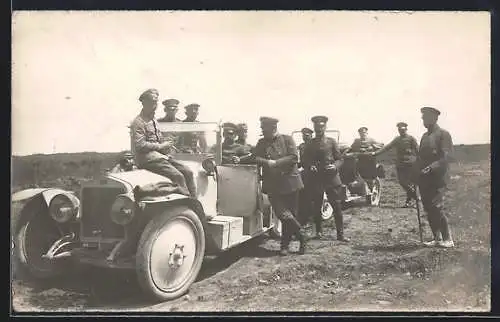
(171, 106)
(436, 148)
(192, 142)
(305, 204)
(322, 161)
(233, 152)
(365, 161)
(151, 150)
(406, 155)
(126, 163)
(277, 155)
(242, 133)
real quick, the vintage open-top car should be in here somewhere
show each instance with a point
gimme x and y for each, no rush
(360, 174)
(163, 237)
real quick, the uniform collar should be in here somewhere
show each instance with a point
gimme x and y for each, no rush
(434, 128)
(146, 117)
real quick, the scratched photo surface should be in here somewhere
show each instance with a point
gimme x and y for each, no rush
(76, 82)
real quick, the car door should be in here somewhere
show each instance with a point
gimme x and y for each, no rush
(237, 190)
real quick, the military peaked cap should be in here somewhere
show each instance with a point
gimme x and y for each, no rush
(307, 130)
(149, 94)
(171, 102)
(229, 127)
(363, 129)
(242, 127)
(268, 120)
(319, 119)
(193, 106)
(401, 124)
(430, 110)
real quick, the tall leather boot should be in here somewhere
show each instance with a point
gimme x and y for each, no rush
(318, 223)
(339, 221)
(285, 237)
(297, 230)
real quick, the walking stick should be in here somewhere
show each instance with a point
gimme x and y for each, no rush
(417, 193)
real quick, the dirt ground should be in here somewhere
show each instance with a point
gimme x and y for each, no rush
(383, 268)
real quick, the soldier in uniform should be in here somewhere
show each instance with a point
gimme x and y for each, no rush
(242, 132)
(192, 142)
(150, 150)
(436, 147)
(277, 155)
(406, 155)
(126, 163)
(365, 163)
(322, 161)
(305, 204)
(233, 152)
(171, 108)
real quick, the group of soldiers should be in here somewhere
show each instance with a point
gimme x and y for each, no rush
(320, 157)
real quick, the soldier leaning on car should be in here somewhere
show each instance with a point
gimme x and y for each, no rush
(192, 142)
(151, 150)
(322, 161)
(277, 155)
(406, 155)
(233, 152)
(436, 147)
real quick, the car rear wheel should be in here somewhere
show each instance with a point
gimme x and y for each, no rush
(170, 254)
(374, 198)
(326, 209)
(277, 229)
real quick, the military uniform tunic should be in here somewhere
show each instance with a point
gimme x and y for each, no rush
(323, 152)
(436, 146)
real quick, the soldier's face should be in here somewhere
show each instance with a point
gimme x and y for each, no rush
(229, 136)
(243, 134)
(402, 130)
(150, 105)
(171, 111)
(306, 137)
(363, 134)
(192, 114)
(268, 130)
(429, 119)
(319, 128)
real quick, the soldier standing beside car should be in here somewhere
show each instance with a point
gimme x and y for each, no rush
(305, 204)
(277, 155)
(406, 156)
(151, 151)
(436, 147)
(322, 161)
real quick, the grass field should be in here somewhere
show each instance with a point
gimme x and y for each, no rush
(384, 268)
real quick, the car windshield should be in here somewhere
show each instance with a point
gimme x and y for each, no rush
(191, 137)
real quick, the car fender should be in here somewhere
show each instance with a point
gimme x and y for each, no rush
(172, 200)
(45, 195)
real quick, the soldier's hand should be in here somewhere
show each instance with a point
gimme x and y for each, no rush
(314, 168)
(426, 170)
(330, 167)
(235, 159)
(371, 154)
(271, 163)
(165, 145)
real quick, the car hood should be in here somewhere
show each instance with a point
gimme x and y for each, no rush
(143, 177)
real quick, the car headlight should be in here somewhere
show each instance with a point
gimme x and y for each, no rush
(209, 166)
(123, 210)
(62, 209)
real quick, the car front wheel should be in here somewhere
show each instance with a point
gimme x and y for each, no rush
(170, 254)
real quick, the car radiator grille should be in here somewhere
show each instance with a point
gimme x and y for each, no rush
(96, 209)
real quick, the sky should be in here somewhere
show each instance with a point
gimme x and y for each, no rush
(77, 76)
